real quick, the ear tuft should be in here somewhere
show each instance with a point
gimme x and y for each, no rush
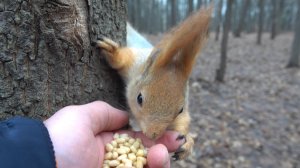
(182, 44)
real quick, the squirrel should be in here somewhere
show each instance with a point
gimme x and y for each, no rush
(157, 78)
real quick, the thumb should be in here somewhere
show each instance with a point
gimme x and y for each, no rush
(104, 117)
(158, 157)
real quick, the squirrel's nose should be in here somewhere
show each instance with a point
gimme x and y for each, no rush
(154, 136)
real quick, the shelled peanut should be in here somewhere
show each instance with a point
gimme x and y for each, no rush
(125, 152)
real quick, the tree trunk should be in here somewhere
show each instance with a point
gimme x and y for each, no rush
(190, 8)
(46, 60)
(220, 73)
(242, 18)
(132, 12)
(205, 3)
(219, 19)
(138, 16)
(260, 21)
(280, 15)
(148, 27)
(250, 17)
(295, 54)
(173, 12)
(288, 15)
(199, 4)
(274, 19)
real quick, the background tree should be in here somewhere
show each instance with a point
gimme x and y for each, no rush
(137, 13)
(132, 15)
(280, 16)
(243, 12)
(46, 59)
(157, 16)
(220, 73)
(174, 12)
(199, 3)
(219, 19)
(275, 15)
(260, 21)
(295, 54)
(190, 7)
(251, 17)
(288, 15)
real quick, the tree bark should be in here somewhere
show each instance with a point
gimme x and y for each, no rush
(220, 73)
(295, 54)
(46, 60)
(260, 21)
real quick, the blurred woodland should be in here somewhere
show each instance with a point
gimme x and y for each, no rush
(245, 88)
(236, 16)
(157, 16)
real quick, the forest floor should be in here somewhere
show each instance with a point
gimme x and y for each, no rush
(253, 119)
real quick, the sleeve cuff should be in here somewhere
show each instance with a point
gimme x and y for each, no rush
(25, 143)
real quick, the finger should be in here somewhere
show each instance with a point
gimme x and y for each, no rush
(171, 141)
(158, 157)
(104, 117)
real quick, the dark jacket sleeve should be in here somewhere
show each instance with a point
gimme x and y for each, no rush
(25, 143)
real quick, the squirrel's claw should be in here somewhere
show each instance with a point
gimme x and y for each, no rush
(176, 155)
(107, 44)
(185, 149)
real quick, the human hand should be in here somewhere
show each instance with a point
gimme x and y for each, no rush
(79, 134)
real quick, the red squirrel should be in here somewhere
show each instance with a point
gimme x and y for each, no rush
(157, 78)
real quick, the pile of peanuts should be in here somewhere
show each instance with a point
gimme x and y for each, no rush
(125, 152)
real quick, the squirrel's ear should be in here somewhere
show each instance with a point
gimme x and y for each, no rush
(182, 44)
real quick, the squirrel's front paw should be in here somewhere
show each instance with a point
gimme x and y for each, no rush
(110, 50)
(185, 149)
(107, 45)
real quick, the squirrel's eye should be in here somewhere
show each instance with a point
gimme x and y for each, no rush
(140, 99)
(181, 110)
